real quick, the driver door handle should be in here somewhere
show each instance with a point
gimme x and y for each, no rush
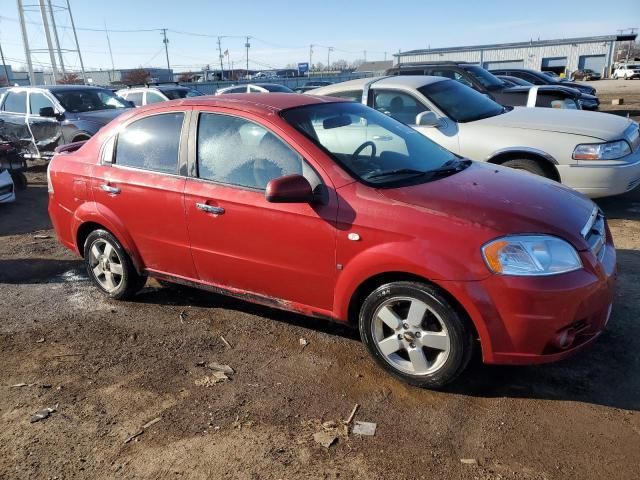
(109, 189)
(210, 208)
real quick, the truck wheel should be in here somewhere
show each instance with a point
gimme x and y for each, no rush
(415, 334)
(19, 180)
(110, 267)
(528, 165)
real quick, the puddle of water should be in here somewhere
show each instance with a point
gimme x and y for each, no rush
(74, 276)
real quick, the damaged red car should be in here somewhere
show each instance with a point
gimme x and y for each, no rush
(332, 209)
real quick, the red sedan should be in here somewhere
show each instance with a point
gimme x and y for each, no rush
(332, 209)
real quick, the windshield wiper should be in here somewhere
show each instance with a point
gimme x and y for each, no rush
(450, 166)
(397, 171)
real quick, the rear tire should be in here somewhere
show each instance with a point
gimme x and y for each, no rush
(528, 165)
(414, 333)
(110, 267)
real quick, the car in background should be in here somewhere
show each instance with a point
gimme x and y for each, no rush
(627, 72)
(7, 189)
(154, 93)
(38, 119)
(595, 153)
(541, 78)
(310, 85)
(582, 100)
(484, 82)
(254, 88)
(514, 81)
(585, 75)
(333, 210)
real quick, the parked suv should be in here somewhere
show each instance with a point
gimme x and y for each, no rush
(332, 209)
(38, 119)
(595, 153)
(627, 72)
(484, 82)
(154, 93)
(585, 75)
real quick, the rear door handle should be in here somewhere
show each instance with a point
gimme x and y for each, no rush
(210, 208)
(109, 189)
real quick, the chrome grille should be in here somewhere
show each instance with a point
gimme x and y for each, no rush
(595, 233)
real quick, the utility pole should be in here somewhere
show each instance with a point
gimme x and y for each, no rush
(310, 59)
(25, 42)
(247, 45)
(106, 32)
(364, 52)
(166, 46)
(221, 57)
(329, 50)
(385, 56)
(47, 34)
(75, 36)
(4, 65)
(55, 37)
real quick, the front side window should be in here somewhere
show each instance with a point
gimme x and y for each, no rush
(16, 102)
(401, 106)
(460, 103)
(153, 97)
(236, 151)
(151, 143)
(37, 101)
(486, 79)
(88, 100)
(371, 146)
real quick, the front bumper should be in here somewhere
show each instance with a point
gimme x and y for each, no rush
(530, 320)
(7, 190)
(602, 179)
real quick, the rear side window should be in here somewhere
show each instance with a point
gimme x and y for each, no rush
(239, 152)
(153, 97)
(16, 102)
(136, 98)
(151, 143)
(353, 95)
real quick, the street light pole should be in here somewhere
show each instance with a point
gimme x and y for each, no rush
(247, 45)
(166, 46)
(329, 50)
(221, 56)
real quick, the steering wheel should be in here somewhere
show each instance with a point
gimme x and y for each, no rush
(368, 143)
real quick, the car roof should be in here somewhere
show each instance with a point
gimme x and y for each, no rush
(395, 81)
(253, 102)
(57, 88)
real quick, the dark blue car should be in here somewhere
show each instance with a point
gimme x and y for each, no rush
(38, 119)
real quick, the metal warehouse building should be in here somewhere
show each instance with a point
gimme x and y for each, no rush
(563, 55)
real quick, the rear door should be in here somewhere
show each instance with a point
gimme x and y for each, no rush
(13, 121)
(140, 186)
(283, 251)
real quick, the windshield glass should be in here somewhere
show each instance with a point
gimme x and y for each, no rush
(371, 146)
(460, 103)
(488, 80)
(175, 93)
(88, 100)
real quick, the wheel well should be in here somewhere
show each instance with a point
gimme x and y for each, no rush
(83, 232)
(369, 285)
(543, 162)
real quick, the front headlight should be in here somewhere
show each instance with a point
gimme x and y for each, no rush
(601, 151)
(530, 255)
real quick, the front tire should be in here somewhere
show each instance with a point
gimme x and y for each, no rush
(413, 332)
(110, 267)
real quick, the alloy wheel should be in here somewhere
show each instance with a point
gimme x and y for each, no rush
(106, 265)
(410, 336)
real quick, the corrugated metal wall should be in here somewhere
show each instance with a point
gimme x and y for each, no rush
(531, 55)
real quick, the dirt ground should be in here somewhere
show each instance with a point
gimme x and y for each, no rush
(108, 368)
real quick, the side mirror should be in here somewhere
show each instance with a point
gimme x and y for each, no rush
(289, 189)
(48, 112)
(427, 119)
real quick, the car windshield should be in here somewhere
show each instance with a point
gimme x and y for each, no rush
(460, 103)
(176, 93)
(372, 146)
(487, 79)
(89, 100)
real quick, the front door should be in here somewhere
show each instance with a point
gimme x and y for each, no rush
(143, 190)
(46, 131)
(284, 251)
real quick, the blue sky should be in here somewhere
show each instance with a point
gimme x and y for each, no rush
(283, 30)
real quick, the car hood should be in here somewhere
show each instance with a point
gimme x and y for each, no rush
(504, 200)
(577, 122)
(100, 117)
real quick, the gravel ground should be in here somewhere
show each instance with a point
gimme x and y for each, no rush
(108, 368)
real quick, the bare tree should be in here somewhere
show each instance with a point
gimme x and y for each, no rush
(70, 79)
(3, 81)
(136, 77)
(186, 77)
